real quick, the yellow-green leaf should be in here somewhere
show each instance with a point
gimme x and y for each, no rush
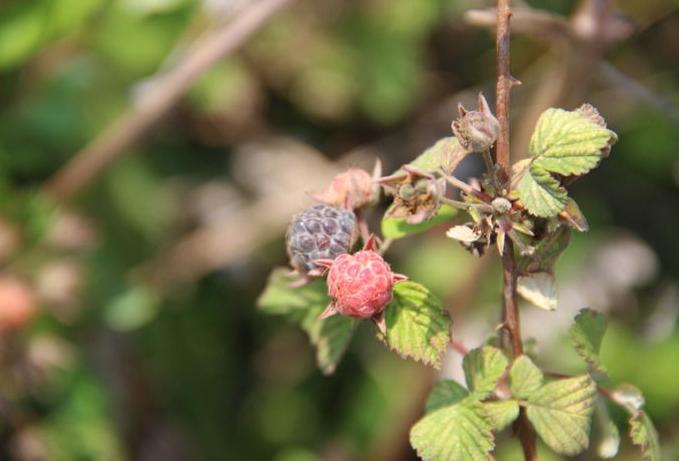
(568, 142)
(417, 325)
(645, 436)
(445, 154)
(303, 306)
(280, 298)
(525, 378)
(445, 393)
(561, 411)
(541, 193)
(586, 335)
(501, 413)
(483, 368)
(458, 432)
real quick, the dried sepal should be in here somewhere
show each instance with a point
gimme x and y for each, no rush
(417, 194)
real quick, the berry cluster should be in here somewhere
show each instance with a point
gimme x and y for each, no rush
(319, 240)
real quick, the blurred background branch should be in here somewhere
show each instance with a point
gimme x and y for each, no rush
(159, 95)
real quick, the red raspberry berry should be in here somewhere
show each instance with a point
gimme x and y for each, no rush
(360, 285)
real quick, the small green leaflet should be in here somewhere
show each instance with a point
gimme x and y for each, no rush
(561, 411)
(445, 154)
(396, 228)
(446, 392)
(457, 425)
(331, 337)
(454, 430)
(586, 335)
(567, 143)
(417, 325)
(645, 436)
(303, 305)
(279, 298)
(483, 368)
(501, 413)
(542, 195)
(525, 378)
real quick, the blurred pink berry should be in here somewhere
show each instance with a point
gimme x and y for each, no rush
(353, 189)
(18, 303)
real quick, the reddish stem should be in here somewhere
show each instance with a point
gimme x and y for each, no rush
(510, 311)
(362, 225)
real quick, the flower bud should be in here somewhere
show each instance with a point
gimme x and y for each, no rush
(476, 130)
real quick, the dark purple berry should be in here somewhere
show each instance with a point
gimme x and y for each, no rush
(319, 232)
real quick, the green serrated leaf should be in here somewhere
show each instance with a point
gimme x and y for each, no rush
(501, 413)
(643, 434)
(561, 411)
(586, 335)
(447, 392)
(279, 298)
(417, 325)
(483, 368)
(541, 194)
(303, 305)
(396, 228)
(568, 142)
(331, 337)
(525, 378)
(458, 432)
(446, 153)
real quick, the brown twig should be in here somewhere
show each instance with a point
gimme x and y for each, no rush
(510, 310)
(504, 84)
(158, 99)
